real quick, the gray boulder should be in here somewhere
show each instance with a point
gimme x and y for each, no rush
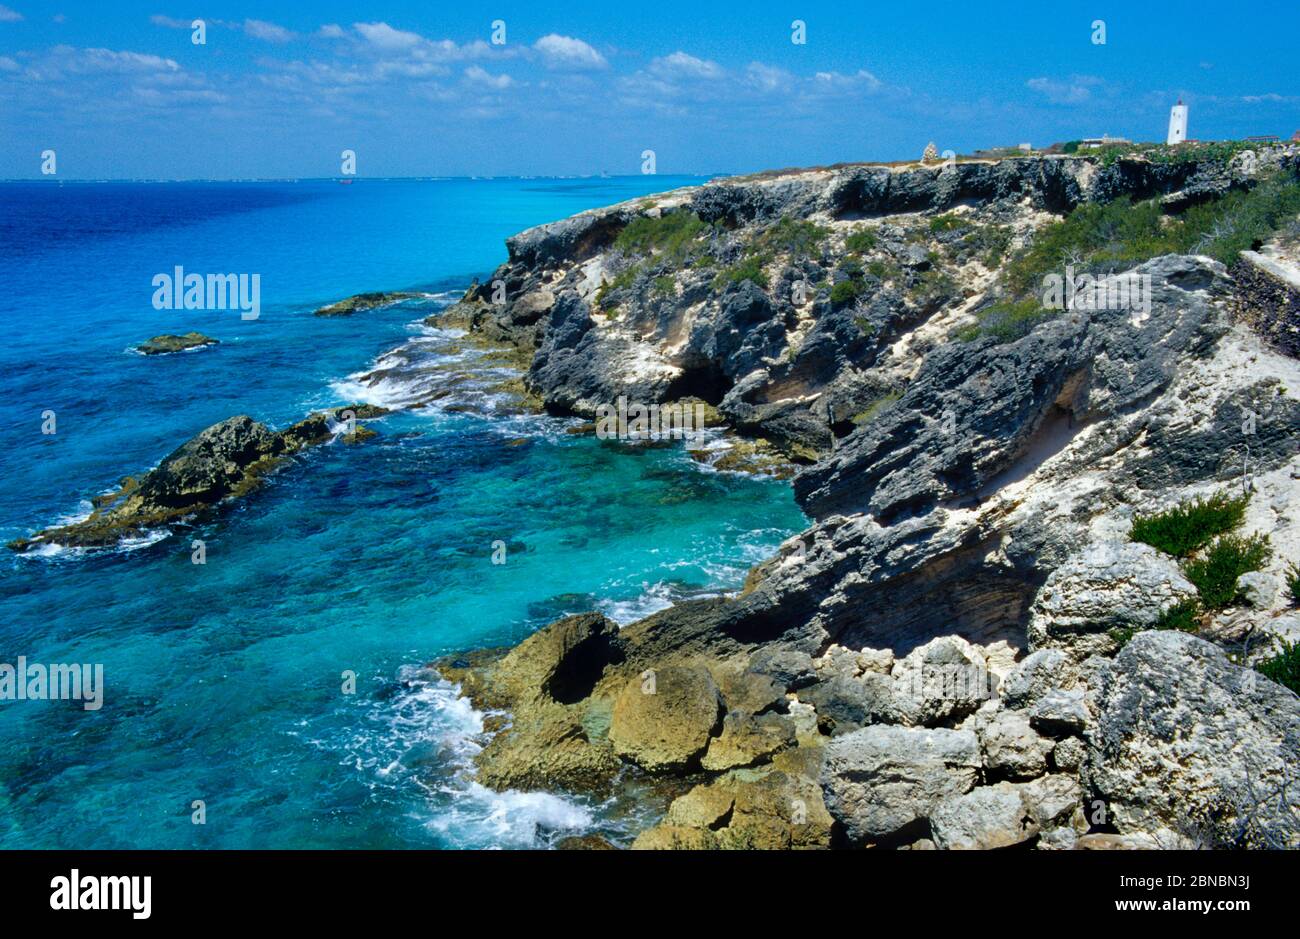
(1188, 743)
(1109, 584)
(880, 780)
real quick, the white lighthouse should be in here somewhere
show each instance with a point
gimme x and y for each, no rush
(1177, 123)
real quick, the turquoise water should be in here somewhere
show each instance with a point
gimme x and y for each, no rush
(224, 680)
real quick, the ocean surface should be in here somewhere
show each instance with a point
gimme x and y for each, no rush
(224, 681)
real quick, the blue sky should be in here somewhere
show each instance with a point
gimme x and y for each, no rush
(416, 88)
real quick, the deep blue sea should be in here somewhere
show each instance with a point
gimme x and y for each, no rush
(223, 681)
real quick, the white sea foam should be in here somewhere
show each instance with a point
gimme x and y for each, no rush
(425, 738)
(655, 597)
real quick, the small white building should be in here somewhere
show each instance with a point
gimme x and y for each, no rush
(1177, 123)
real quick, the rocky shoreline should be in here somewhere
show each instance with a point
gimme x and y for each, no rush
(968, 648)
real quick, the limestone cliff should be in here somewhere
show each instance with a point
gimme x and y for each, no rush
(972, 459)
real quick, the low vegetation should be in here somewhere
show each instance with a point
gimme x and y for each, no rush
(749, 268)
(1293, 582)
(675, 235)
(1283, 668)
(860, 242)
(1215, 571)
(1190, 525)
(1102, 238)
(799, 239)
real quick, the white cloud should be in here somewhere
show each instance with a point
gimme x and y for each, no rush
(384, 38)
(68, 59)
(835, 81)
(269, 32)
(1075, 91)
(768, 77)
(331, 31)
(565, 52)
(9, 16)
(682, 65)
(481, 76)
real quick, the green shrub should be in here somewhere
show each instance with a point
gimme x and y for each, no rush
(788, 236)
(1283, 668)
(665, 286)
(1183, 616)
(860, 242)
(1189, 525)
(1006, 321)
(621, 281)
(750, 268)
(1215, 572)
(881, 270)
(1071, 146)
(1112, 235)
(1293, 581)
(673, 234)
(947, 222)
(846, 291)
(992, 241)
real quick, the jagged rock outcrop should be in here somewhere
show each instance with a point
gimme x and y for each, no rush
(970, 493)
(219, 464)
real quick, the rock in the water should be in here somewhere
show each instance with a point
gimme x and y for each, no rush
(880, 780)
(547, 747)
(562, 662)
(1188, 743)
(362, 301)
(746, 809)
(166, 343)
(663, 719)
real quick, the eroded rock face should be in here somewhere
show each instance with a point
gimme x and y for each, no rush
(880, 780)
(1110, 585)
(1190, 746)
(967, 489)
(663, 721)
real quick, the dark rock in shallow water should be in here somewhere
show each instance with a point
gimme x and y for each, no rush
(167, 343)
(363, 301)
(223, 462)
